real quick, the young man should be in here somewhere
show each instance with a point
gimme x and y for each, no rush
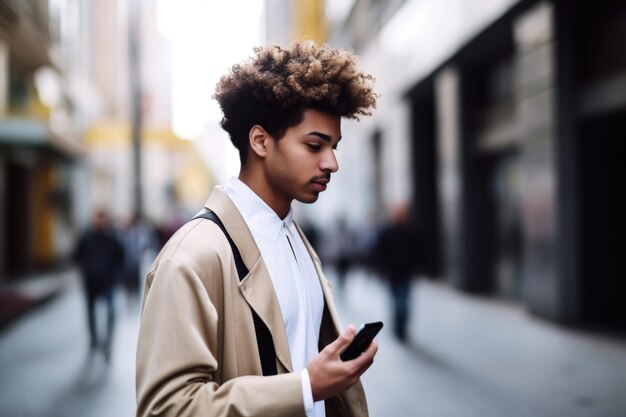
(201, 344)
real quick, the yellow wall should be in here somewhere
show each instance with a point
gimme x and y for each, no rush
(192, 178)
(309, 20)
(117, 135)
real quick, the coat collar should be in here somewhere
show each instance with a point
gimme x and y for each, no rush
(255, 211)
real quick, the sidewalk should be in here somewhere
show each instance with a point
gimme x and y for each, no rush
(470, 356)
(466, 357)
(19, 297)
(47, 368)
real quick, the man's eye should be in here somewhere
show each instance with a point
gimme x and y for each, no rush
(314, 146)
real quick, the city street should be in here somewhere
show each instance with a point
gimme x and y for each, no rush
(466, 357)
(478, 143)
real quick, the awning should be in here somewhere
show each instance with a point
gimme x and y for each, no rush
(35, 134)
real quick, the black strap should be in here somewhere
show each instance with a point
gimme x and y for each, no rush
(264, 340)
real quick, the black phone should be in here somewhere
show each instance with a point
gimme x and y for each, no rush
(364, 336)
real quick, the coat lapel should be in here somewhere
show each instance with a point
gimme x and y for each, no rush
(256, 288)
(259, 292)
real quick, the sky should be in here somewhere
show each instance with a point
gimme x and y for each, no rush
(207, 38)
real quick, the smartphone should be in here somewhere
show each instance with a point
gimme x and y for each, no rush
(364, 336)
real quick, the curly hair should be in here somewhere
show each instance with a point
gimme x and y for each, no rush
(275, 87)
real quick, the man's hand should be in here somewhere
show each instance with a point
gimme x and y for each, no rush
(330, 375)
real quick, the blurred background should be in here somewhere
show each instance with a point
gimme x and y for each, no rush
(500, 129)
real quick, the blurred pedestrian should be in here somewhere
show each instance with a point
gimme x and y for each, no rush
(397, 256)
(365, 245)
(310, 231)
(99, 256)
(345, 250)
(247, 326)
(167, 228)
(138, 237)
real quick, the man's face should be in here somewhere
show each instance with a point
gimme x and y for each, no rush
(299, 165)
(100, 221)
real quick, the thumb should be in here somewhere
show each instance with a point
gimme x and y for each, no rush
(343, 340)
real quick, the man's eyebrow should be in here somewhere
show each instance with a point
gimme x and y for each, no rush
(323, 136)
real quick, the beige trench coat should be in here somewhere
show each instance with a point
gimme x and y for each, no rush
(197, 353)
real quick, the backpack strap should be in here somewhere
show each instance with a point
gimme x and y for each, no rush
(264, 340)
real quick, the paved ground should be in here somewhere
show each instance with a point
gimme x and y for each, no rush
(475, 357)
(47, 369)
(466, 357)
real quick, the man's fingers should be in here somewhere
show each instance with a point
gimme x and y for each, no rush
(343, 340)
(371, 350)
(368, 353)
(365, 360)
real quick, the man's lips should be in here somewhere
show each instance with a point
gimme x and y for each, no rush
(320, 184)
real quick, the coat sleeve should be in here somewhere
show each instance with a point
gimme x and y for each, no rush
(177, 357)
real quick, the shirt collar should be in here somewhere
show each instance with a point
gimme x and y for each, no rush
(258, 215)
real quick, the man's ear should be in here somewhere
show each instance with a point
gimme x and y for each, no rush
(258, 138)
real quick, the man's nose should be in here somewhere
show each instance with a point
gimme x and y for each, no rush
(329, 162)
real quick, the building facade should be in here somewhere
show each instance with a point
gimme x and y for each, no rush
(42, 114)
(135, 161)
(502, 124)
(73, 95)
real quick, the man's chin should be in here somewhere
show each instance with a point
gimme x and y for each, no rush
(308, 199)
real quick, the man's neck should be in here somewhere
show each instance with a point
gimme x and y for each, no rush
(259, 185)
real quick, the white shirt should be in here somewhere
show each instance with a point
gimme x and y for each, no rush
(294, 278)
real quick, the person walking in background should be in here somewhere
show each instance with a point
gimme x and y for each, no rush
(365, 236)
(310, 231)
(238, 318)
(345, 245)
(138, 237)
(99, 256)
(397, 257)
